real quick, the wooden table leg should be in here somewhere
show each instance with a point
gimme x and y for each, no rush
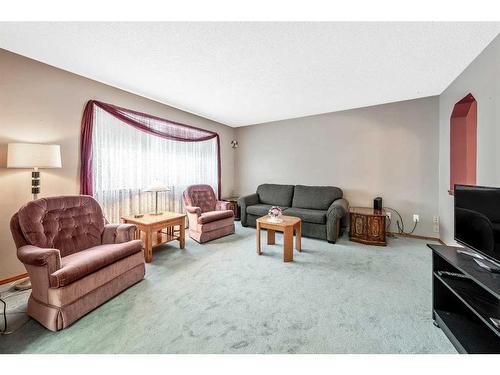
(148, 244)
(258, 239)
(298, 237)
(182, 234)
(288, 244)
(271, 237)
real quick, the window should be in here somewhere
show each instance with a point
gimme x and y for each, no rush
(463, 142)
(129, 151)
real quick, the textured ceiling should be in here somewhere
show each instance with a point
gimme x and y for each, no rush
(248, 73)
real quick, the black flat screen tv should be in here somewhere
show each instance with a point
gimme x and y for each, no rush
(477, 219)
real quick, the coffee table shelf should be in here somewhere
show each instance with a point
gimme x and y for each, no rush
(156, 230)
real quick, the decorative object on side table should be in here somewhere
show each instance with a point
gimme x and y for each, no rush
(157, 187)
(275, 213)
(367, 226)
(33, 156)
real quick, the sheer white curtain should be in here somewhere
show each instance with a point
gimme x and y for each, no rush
(126, 160)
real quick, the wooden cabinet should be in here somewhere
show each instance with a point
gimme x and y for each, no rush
(367, 226)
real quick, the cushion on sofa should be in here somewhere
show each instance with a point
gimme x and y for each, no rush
(315, 197)
(258, 209)
(275, 195)
(85, 262)
(307, 215)
(211, 216)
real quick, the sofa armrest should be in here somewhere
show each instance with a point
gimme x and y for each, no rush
(222, 206)
(337, 210)
(244, 202)
(39, 257)
(193, 210)
(118, 233)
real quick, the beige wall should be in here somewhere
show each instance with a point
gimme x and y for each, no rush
(43, 104)
(388, 150)
(481, 79)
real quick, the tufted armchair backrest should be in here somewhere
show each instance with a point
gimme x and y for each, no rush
(202, 196)
(67, 223)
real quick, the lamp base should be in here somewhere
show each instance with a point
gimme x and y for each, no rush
(156, 213)
(23, 285)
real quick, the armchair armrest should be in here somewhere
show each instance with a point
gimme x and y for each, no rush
(337, 210)
(37, 256)
(222, 205)
(118, 233)
(193, 210)
(244, 202)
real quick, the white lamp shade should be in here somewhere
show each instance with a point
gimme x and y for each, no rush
(157, 186)
(33, 155)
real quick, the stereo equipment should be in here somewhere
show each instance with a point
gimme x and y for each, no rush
(377, 203)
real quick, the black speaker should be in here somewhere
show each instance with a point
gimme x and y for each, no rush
(377, 203)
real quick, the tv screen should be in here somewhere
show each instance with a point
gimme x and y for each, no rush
(477, 219)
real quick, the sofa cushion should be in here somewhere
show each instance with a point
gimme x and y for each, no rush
(315, 197)
(258, 209)
(208, 217)
(307, 215)
(85, 262)
(214, 225)
(275, 195)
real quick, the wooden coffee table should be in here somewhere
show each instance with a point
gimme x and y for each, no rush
(288, 225)
(158, 229)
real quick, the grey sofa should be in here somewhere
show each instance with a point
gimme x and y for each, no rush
(321, 208)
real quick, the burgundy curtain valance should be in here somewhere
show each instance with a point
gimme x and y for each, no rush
(141, 121)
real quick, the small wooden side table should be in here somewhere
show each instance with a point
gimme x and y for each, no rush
(159, 229)
(288, 225)
(367, 226)
(234, 207)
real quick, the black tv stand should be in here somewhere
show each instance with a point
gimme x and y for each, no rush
(464, 303)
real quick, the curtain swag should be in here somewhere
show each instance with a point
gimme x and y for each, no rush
(169, 130)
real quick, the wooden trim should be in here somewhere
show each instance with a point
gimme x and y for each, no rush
(13, 278)
(417, 237)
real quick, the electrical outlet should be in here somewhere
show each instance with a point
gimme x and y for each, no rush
(416, 218)
(435, 228)
(388, 214)
(435, 219)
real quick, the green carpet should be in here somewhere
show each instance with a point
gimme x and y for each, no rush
(223, 298)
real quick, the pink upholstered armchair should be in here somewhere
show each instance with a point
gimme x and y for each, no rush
(74, 259)
(208, 218)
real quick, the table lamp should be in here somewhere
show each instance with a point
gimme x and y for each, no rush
(33, 155)
(157, 187)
